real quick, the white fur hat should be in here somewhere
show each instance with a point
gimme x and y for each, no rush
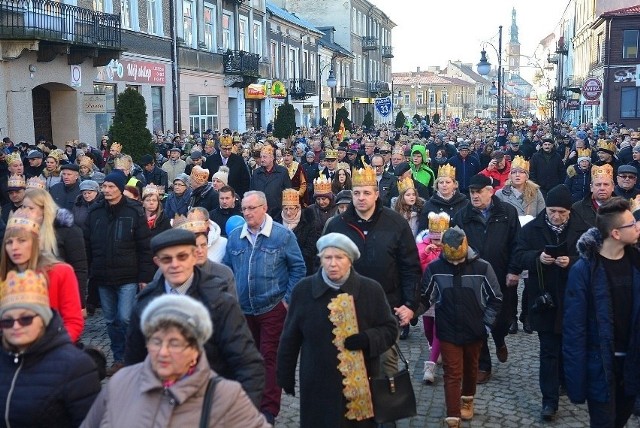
(222, 175)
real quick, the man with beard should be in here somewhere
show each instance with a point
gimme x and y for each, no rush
(227, 200)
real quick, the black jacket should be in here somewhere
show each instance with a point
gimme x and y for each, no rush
(157, 176)
(204, 196)
(65, 196)
(238, 172)
(583, 216)
(272, 184)
(54, 383)
(437, 204)
(546, 171)
(71, 248)
(221, 215)
(231, 350)
(388, 253)
(307, 236)
(388, 182)
(117, 241)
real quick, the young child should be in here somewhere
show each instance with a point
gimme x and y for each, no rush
(429, 249)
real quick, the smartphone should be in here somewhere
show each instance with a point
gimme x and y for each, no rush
(556, 251)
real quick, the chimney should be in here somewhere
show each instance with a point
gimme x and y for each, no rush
(418, 69)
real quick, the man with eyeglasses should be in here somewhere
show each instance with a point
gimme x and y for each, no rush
(238, 173)
(627, 177)
(231, 350)
(267, 263)
(387, 182)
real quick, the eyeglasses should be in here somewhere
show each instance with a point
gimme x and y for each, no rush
(22, 321)
(626, 177)
(377, 166)
(226, 148)
(245, 209)
(165, 260)
(173, 346)
(627, 225)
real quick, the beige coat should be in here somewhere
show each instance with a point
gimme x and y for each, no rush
(135, 398)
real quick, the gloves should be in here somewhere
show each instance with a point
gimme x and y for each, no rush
(357, 342)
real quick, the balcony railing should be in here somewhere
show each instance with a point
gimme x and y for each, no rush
(379, 87)
(242, 63)
(344, 93)
(369, 43)
(387, 52)
(301, 89)
(58, 22)
(573, 82)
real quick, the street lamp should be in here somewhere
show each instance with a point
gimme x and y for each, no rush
(331, 83)
(484, 67)
(430, 92)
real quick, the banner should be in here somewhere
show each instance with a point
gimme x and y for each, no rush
(383, 106)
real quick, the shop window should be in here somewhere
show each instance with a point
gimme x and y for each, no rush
(104, 120)
(157, 111)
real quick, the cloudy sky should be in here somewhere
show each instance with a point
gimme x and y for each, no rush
(430, 33)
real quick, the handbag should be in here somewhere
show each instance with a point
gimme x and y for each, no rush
(393, 397)
(206, 403)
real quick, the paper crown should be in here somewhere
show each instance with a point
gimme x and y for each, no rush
(405, 184)
(195, 226)
(601, 171)
(290, 197)
(226, 141)
(447, 170)
(267, 149)
(454, 245)
(345, 166)
(199, 174)
(584, 153)
(117, 147)
(321, 186)
(607, 146)
(123, 162)
(151, 189)
(36, 183)
(26, 287)
(331, 154)
(364, 177)
(16, 181)
(438, 222)
(87, 162)
(520, 163)
(398, 151)
(635, 135)
(514, 139)
(56, 154)
(210, 143)
(13, 157)
(21, 220)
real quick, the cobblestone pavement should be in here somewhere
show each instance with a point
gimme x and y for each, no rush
(511, 399)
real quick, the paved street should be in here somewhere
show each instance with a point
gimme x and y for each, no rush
(510, 399)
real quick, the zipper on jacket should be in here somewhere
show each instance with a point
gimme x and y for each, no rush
(13, 385)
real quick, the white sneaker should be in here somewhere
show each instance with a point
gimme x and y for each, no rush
(429, 372)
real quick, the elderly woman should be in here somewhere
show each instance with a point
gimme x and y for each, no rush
(309, 327)
(174, 386)
(301, 222)
(44, 379)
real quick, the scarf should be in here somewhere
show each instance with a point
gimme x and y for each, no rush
(334, 284)
(291, 224)
(555, 229)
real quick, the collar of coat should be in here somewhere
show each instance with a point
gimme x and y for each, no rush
(351, 286)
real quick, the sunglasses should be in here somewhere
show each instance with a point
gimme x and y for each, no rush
(165, 260)
(22, 321)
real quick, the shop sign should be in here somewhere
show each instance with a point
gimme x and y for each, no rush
(592, 89)
(573, 104)
(255, 91)
(592, 103)
(132, 72)
(278, 90)
(94, 103)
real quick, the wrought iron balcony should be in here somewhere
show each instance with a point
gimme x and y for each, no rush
(241, 63)
(58, 22)
(301, 89)
(369, 43)
(379, 87)
(387, 52)
(344, 93)
(573, 82)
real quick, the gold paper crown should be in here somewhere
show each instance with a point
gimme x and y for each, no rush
(16, 181)
(584, 153)
(268, 149)
(87, 162)
(514, 139)
(150, 189)
(13, 157)
(117, 147)
(447, 170)
(605, 170)
(21, 220)
(36, 183)
(457, 253)
(438, 222)
(364, 177)
(345, 166)
(321, 186)
(226, 141)
(290, 197)
(624, 131)
(26, 287)
(635, 135)
(195, 226)
(607, 145)
(123, 162)
(331, 154)
(405, 184)
(199, 174)
(56, 154)
(520, 163)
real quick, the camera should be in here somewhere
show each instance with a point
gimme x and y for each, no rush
(543, 303)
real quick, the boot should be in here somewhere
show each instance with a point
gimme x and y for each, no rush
(452, 422)
(466, 410)
(429, 372)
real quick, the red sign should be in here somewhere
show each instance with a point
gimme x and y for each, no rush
(592, 103)
(132, 72)
(592, 89)
(255, 91)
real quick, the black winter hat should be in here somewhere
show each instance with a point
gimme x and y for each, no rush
(559, 196)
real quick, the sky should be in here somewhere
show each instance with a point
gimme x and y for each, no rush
(430, 33)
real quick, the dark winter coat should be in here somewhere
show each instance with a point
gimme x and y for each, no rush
(117, 242)
(161, 224)
(231, 350)
(579, 182)
(81, 209)
(308, 332)
(71, 249)
(588, 343)
(543, 278)
(157, 176)
(177, 204)
(546, 171)
(307, 236)
(238, 173)
(385, 186)
(204, 196)
(221, 215)
(272, 184)
(465, 169)
(583, 215)
(388, 253)
(65, 196)
(437, 204)
(52, 384)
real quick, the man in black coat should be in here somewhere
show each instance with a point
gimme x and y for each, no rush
(228, 207)
(386, 181)
(231, 350)
(152, 174)
(238, 173)
(65, 192)
(492, 227)
(271, 179)
(547, 169)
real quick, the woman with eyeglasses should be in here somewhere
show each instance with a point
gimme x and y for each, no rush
(174, 386)
(45, 381)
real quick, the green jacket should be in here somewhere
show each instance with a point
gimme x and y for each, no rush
(422, 173)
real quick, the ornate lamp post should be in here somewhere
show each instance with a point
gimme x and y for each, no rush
(331, 83)
(484, 68)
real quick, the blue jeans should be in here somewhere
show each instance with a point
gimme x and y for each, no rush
(117, 304)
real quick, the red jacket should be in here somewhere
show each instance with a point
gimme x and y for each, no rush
(64, 297)
(498, 178)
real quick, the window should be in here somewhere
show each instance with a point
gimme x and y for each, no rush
(359, 24)
(305, 65)
(629, 102)
(227, 31)
(630, 44)
(347, 75)
(209, 23)
(98, 5)
(136, 88)
(257, 37)
(203, 113)
(273, 55)
(354, 20)
(125, 13)
(154, 17)
(293, 62)
(157, 116)
(420, 98)
(188, 14)
(104, 120)
(283, 62)
(407, 98)
(244, 34)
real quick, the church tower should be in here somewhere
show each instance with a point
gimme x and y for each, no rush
(513, 47)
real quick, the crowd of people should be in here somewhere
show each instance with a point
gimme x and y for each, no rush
(220, 259)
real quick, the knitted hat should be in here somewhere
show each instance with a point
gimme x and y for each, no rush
(116, 177)
(341, 242)
(559, 196)
(181, 310)
(222, 175)
(26, 290)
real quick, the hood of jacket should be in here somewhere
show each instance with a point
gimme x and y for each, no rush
(214, 232)
(589, 243)
(423, 152)
(64, 218)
